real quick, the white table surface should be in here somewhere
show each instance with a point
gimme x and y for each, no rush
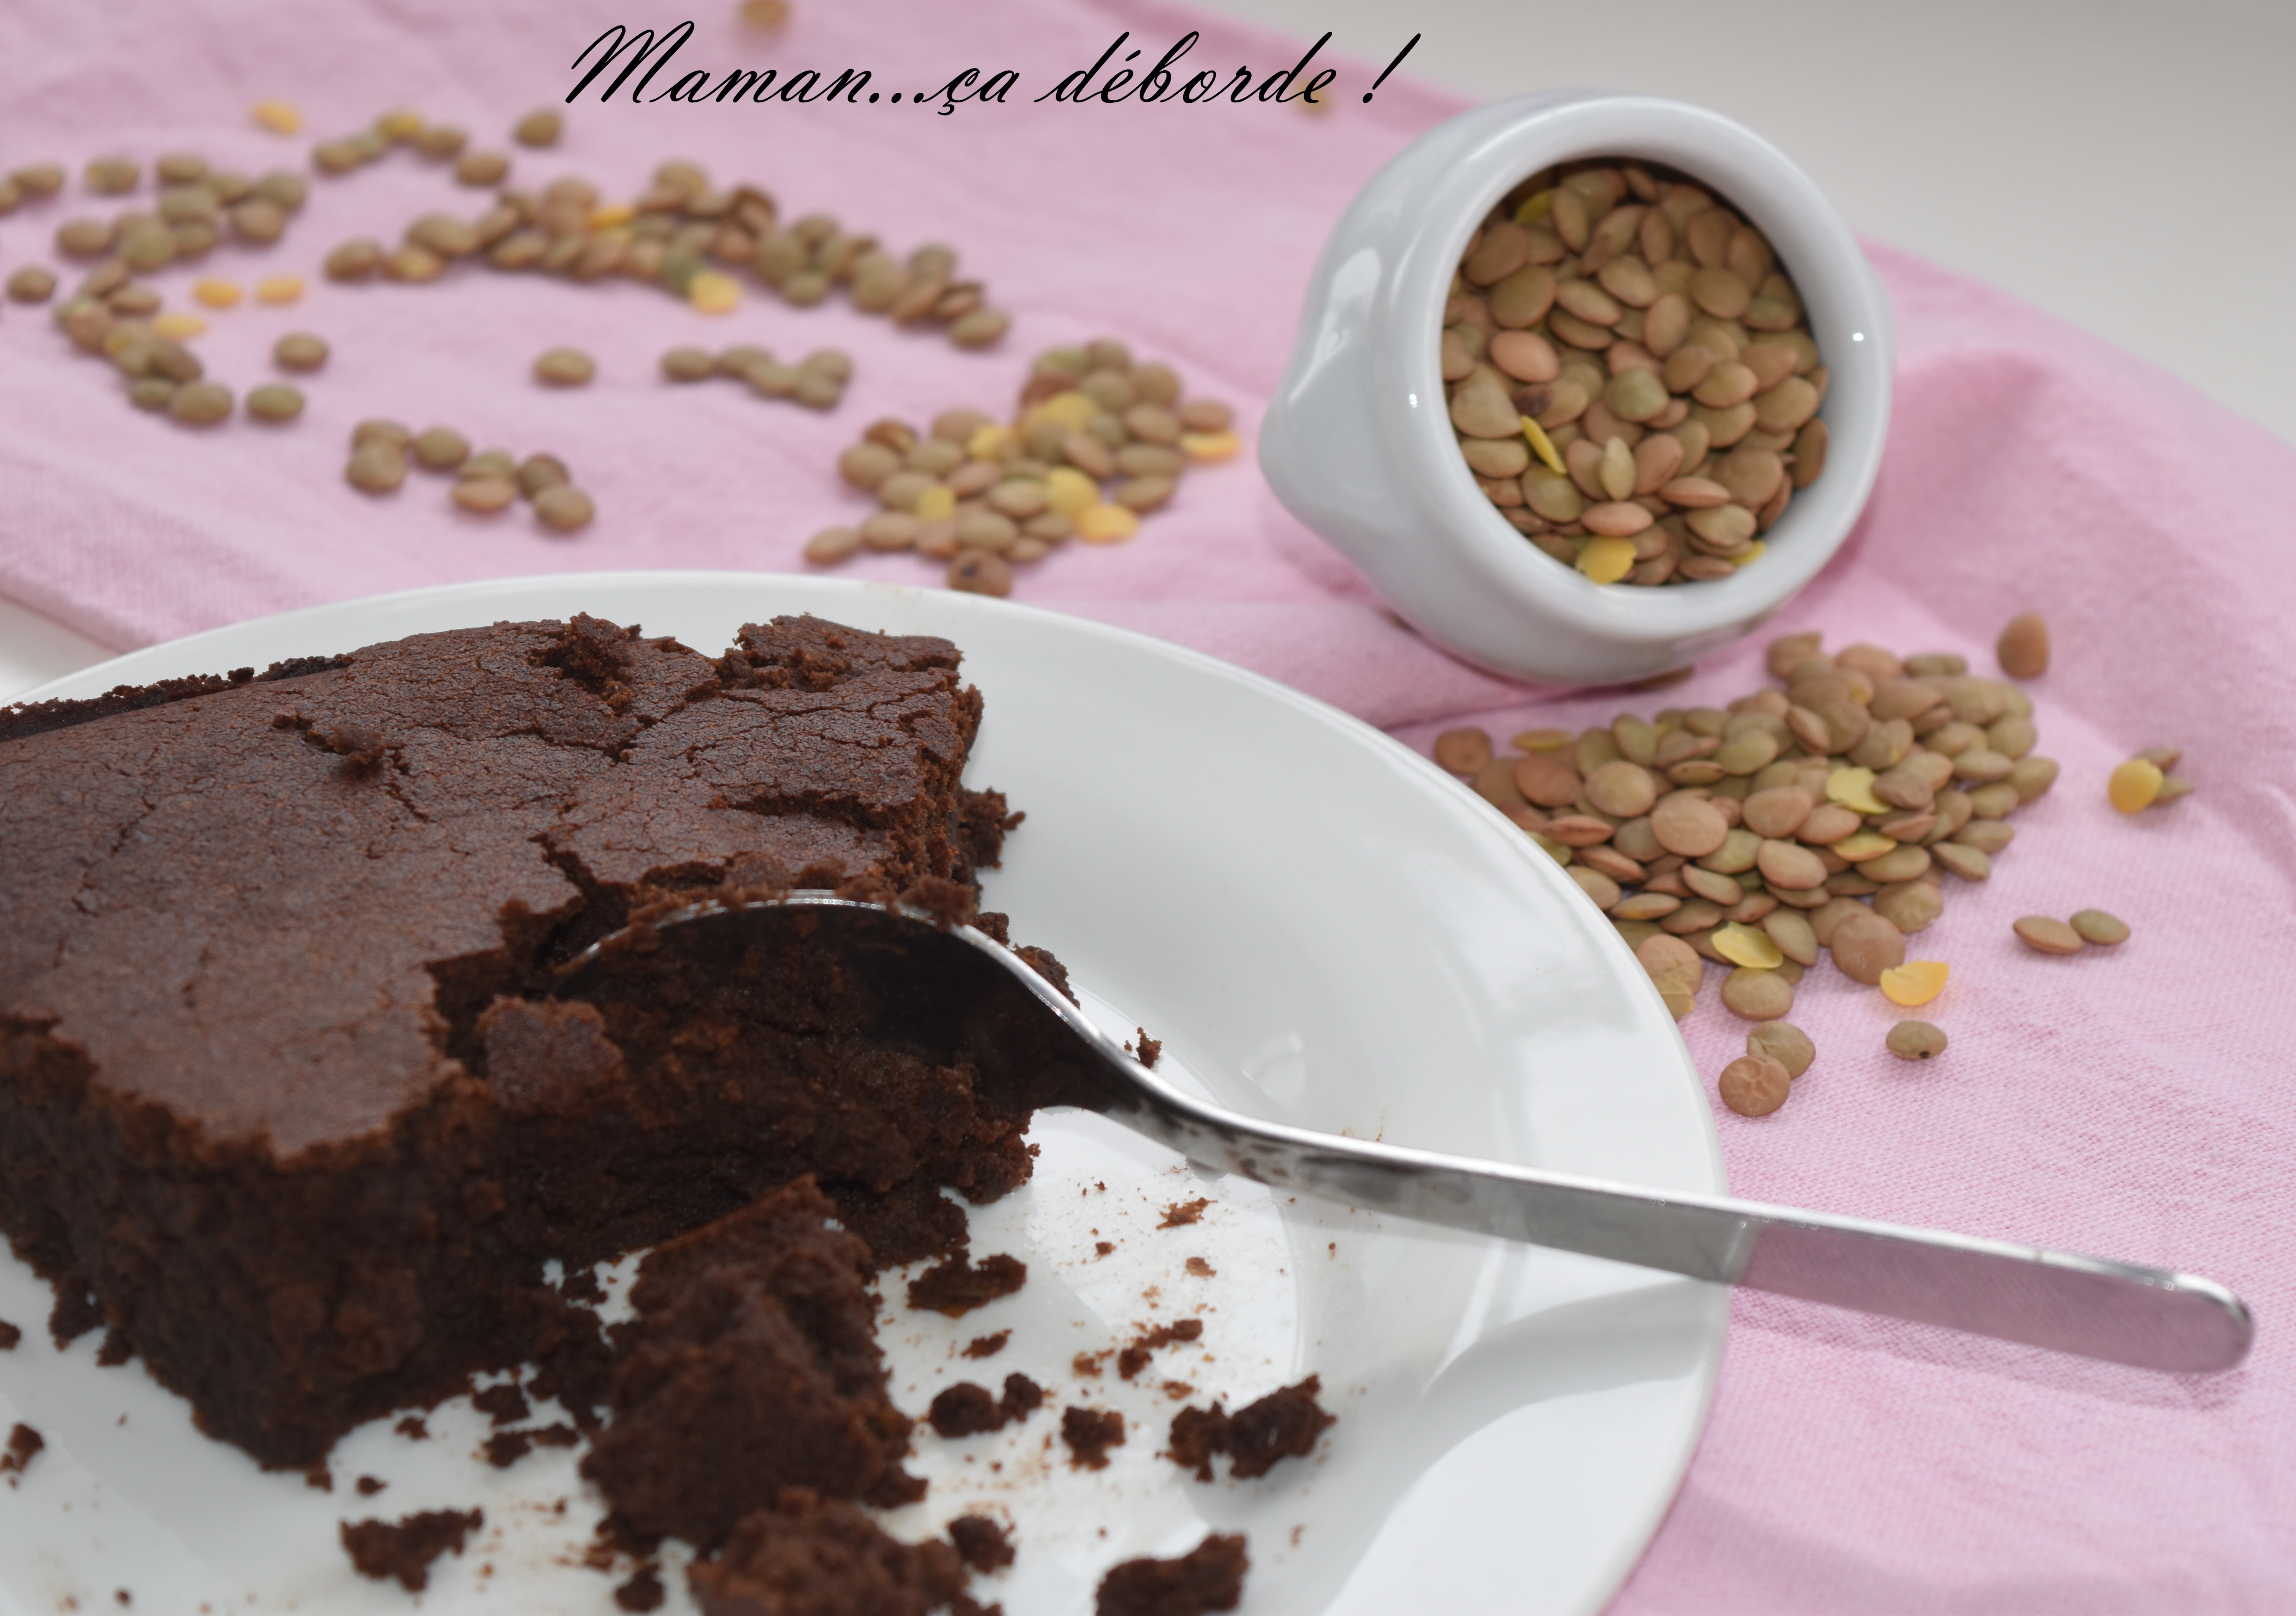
(2122, 166)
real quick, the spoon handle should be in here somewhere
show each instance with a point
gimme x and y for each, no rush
(2149, 1318)
(949, 992)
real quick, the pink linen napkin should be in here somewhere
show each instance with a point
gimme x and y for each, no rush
(2134, 1102)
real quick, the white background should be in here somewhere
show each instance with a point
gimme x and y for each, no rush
(2126, 165)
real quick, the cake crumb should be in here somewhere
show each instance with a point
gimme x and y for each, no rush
(1200, 1269)
(987, 1346)
(1181, 1213)
(10, 1334)
(504, 1405)
(319, 1478)
(958, 1286)
(753, 1343)
(1150, 1048)
(1135, 1358)
(642, 1592)
(505, 1448)
(1209, 1577)
(381, 1549)
(413, 1428)
(1282, 1424)
(122, 1597)
(1086, 1365)
(1178, 1389)
(1090, 1433)
(812, 1554)
(1100, 1248)
(967, 1409)
(368, 1486)
(23, 1442)
(986, 1545)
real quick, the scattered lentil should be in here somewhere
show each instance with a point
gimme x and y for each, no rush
(201, 404)
(33, 284)
(377, 430)
(713, 292)
(2046, 935)
(564, 508)
(1785, 1043)
(378, 466)
(1916, 1041)
(980, 572)
(1914, 984)
(111, 176)
(565, 368)
(1756, 995)
(2133, 785)
(1754, 1085)
(279, 288)
(179, 325)
(353, 260)
(538, 472)
(2023, 648)
(481, 168)
(217, 294)
(1864, 944)
(300, 351)
(541, 127)
(38, 181)
(484, 495)
(440, 142)
(85, 238)
(2095, 926)
(274, 401)
(440, 449)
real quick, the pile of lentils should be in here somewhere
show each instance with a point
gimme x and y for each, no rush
(695, 239)
(112, 314)
(1631, 374)
(1096, 442)
(1819, 819)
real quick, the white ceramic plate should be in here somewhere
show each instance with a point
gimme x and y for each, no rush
(1325, 930)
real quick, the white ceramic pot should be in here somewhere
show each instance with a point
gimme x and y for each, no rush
(1359, 443)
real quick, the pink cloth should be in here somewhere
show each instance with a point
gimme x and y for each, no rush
(2134, 1102)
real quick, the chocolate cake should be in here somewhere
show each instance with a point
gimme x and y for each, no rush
(809, 1554)
(1285, 1425)
(284, 1101)
(752, 1366)
(1209, 1577)
(406, 1548)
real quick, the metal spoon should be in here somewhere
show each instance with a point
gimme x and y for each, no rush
(950, 993)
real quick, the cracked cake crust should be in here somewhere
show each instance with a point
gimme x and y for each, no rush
(280, 1103)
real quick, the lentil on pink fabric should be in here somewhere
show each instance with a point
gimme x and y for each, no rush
(2135, 1102)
